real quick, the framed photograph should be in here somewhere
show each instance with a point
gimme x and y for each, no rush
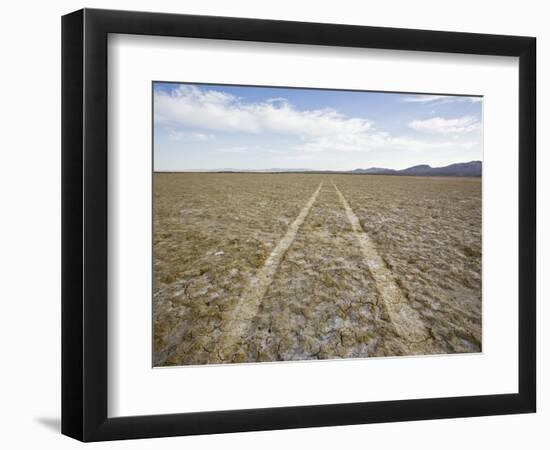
(272, 224)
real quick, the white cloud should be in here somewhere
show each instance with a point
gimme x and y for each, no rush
(192, 136)
(440, 99)
(315, 130)
(422, 98)
(460, 125)
(277, 100)
(232, 150)
(214, 110)
(377, 142)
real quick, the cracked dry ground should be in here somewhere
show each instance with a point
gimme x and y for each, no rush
(325, 297)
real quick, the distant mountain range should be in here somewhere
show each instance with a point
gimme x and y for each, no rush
(465, 169)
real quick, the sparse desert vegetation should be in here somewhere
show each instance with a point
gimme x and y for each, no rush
(255, 267)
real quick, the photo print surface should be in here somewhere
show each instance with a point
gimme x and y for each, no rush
(295, 224)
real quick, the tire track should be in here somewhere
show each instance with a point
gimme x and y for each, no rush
(323, 302)
(405, 319)
(237, 325)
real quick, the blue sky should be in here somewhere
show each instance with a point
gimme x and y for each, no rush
(209, 127)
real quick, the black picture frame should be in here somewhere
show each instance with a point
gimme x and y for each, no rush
(84, 224)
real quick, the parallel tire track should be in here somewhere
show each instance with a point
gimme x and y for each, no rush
(405, 319)
(237, 324)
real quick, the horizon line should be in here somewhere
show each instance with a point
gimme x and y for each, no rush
(306, 169)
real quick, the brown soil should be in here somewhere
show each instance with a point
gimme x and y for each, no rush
(331, 293)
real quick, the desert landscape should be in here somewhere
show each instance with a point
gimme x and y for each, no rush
(254, 267)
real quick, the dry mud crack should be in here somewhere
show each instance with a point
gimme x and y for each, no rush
(254, 268)
(236, 327)
(404, 318)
